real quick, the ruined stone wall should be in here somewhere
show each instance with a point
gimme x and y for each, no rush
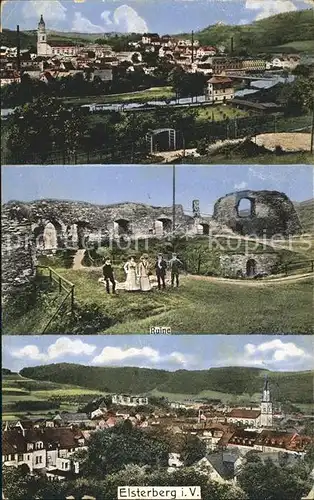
(76, 220)
(236, 265)
(18, 250)
(271, 213)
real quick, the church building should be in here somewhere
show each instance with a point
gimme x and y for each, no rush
(255, 418)
(46, 49)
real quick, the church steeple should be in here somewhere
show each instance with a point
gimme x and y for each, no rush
(266, 390)
(41, 38)
(266, 419)
(41, 23)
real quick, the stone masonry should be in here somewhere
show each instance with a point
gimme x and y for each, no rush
(270, 213)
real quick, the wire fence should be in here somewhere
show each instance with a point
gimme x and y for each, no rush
(60, 284)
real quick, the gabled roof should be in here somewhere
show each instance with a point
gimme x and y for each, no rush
(243, 413)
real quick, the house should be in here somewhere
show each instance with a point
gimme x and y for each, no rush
(219, 89)
(150, 39)
(244, 416)
(289, 62)
(294, 443)
(214, 467)
(205, 51)
(39, 448)
(99, 413)
(65, 418)
(9, 76)
(128, 400)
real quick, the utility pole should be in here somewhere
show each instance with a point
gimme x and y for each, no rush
(312, 131)
(132, 136)
(18, 48)
(192, 47)
(173, 198)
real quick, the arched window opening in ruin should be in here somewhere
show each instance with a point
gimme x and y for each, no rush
(50, 237)
(251, 266)
(245, 208)
(163, 226)
(122, 227)
(38, 235)
(82, 234)
(205, 228)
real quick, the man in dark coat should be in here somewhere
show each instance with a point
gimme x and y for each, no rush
(161, 268)
(108, 275)
(175, 265)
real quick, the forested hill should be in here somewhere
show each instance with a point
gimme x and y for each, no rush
(269, 35)
(290, 32)
(292, 386)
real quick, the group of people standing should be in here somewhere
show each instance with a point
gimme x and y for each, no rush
(137, 275)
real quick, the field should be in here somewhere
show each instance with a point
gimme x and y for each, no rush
(19, 392)
(216, 113)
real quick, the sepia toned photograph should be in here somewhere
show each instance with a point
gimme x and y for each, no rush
(185, 249)
(85, 415)
(203, 81)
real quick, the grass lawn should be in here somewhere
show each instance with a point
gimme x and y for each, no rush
(216, 113)
(145, 95)
(202, 306)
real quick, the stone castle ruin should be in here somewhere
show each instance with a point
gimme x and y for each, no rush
(258, 213)
(45, 226)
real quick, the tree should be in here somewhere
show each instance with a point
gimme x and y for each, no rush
(268, 481)
(193, 449)
(298, 97)
(109, 450)
(37, 128)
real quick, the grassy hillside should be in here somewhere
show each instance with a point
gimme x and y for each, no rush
(265, 35)
(29, 38)
(305, 210)
(21, 395)
(296, 387)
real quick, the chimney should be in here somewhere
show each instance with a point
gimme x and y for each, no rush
(18, 46)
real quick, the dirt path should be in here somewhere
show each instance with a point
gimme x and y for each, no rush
(77, 261)
(263, 282)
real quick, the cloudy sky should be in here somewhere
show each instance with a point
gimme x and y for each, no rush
(190, 352)
(162, 16)
(152, 185)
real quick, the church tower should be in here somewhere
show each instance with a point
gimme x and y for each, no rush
(266, 406)
(42, 49)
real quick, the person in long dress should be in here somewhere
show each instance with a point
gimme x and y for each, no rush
(131, 283)
(143, 274)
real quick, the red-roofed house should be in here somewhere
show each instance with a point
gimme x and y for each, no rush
(219, 89)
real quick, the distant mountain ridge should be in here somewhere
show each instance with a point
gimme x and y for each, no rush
(289, 386)
(266, 34)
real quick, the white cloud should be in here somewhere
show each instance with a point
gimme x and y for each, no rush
(241, 185)
(128, 20)
(62, 347)
(52, 10)
(276, 350)
(105, 15)
(29, 351)
(268, 8)
(82, 24)
(142, 356)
